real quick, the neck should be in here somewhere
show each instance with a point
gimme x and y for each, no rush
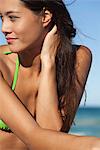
(29, 56)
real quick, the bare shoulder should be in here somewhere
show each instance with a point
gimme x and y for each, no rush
(4, 48)
(83, 61)
(83, 65)
(84, 55)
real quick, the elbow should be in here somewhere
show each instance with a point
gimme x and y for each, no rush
(51, 125)
(58, 127)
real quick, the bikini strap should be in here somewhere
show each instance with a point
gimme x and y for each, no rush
(15, 75)
(16, 71)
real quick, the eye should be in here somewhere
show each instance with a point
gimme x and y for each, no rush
(13, 18)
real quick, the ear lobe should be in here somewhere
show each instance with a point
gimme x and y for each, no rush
(47, 17)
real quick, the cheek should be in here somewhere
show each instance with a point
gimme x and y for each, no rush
(29, 32)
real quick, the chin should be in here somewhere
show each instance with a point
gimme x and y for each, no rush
(15, 49)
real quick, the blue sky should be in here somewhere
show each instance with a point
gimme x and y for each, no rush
(86, 17)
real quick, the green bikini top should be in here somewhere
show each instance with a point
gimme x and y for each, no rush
(3, 126)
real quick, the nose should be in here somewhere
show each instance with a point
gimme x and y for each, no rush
(6, 27)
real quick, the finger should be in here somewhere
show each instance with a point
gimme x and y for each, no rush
(54, 30)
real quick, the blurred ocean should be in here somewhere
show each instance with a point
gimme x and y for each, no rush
(87, 122)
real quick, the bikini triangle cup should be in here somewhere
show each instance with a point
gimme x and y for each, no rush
(3, 126)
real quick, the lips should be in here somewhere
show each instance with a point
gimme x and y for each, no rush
(10, 39)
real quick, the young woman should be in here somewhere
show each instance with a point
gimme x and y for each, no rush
(42, 77)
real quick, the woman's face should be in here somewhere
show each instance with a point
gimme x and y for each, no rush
(23, 29)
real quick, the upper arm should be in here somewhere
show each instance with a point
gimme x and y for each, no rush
(83, 65)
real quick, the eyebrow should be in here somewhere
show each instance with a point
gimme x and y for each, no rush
(10, 12)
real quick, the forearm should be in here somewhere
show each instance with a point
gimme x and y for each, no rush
(47, 113)
(50, 140)
(36, 138)
(20, 121)
(13, 112)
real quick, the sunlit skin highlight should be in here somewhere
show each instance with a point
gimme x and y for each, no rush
(16, 25)
(31, 111)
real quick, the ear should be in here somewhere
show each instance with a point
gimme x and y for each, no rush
(47, 17)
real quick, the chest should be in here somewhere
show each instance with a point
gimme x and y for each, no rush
(26, 87)
(26, 90)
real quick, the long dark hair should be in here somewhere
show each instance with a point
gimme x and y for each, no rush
(65, 58)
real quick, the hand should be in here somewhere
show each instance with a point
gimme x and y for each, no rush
(50, 45)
